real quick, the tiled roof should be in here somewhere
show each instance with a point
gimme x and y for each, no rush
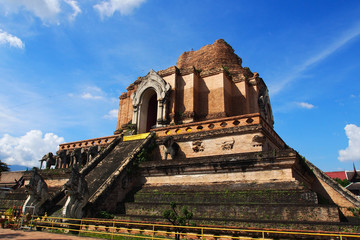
(340, 174)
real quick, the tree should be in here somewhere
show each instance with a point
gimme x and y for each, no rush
(176, 219)
(343, 183)
(4, 167)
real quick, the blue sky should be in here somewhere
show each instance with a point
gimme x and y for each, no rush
(64, 63)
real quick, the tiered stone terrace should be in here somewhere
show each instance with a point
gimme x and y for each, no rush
(221, 123)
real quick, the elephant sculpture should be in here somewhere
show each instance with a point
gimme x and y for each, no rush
(50, 160)
(83, 157)
(75, 156)
(63, 159)
(92, 152)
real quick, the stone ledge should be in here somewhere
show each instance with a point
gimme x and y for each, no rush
(270, 156)
(220, 164)
(208, 125)
(231, 186)
(102, 141)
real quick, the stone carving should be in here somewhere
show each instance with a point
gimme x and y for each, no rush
(63, 159)
(92, 152)
(50, 160)
(171, 146)
(58, 161)
(83, 157)
(75, 157)
(259, 138)
(227, 145)
(77, 193)
(18, 183)
(264, 105)
(198, 146)
(151, 81)
(42, 160)
(38, 194)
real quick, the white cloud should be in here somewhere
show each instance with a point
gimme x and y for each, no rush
(352, 152)
(47, 10)
(112, 114)
(341, 41)
(125, 7)
(75, 6)
(305, 105)
(90, 96)
(13, 41)
(27, 150)
(90, 93)
(93, 93)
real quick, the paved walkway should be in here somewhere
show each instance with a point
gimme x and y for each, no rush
(37, 235)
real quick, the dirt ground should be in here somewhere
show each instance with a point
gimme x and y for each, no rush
(36, 235)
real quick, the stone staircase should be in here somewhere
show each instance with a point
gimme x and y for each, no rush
(103, 175)
(12, 198)
(111, 162)
(112, 178)
(194, 182)
(221, 203)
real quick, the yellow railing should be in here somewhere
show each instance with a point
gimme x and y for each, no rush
(113, 228)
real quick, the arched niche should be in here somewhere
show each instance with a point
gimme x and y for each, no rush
(148, 111)
(151, 88)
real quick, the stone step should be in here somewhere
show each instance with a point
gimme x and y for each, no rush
(286, 212)
(225, 196)
(248, 223)
(17, 198)
(13, 196)
(229, 186)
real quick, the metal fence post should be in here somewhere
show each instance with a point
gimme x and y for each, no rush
(80, 227)
(153, 233)
(113, 230)
(52, 225)
(263, 234)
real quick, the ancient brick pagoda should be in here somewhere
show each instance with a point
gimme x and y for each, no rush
(206, 84)
(215, 151)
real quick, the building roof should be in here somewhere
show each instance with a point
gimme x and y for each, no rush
(353, 186)
(350, 176)
(340, 174)
(344, 175)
